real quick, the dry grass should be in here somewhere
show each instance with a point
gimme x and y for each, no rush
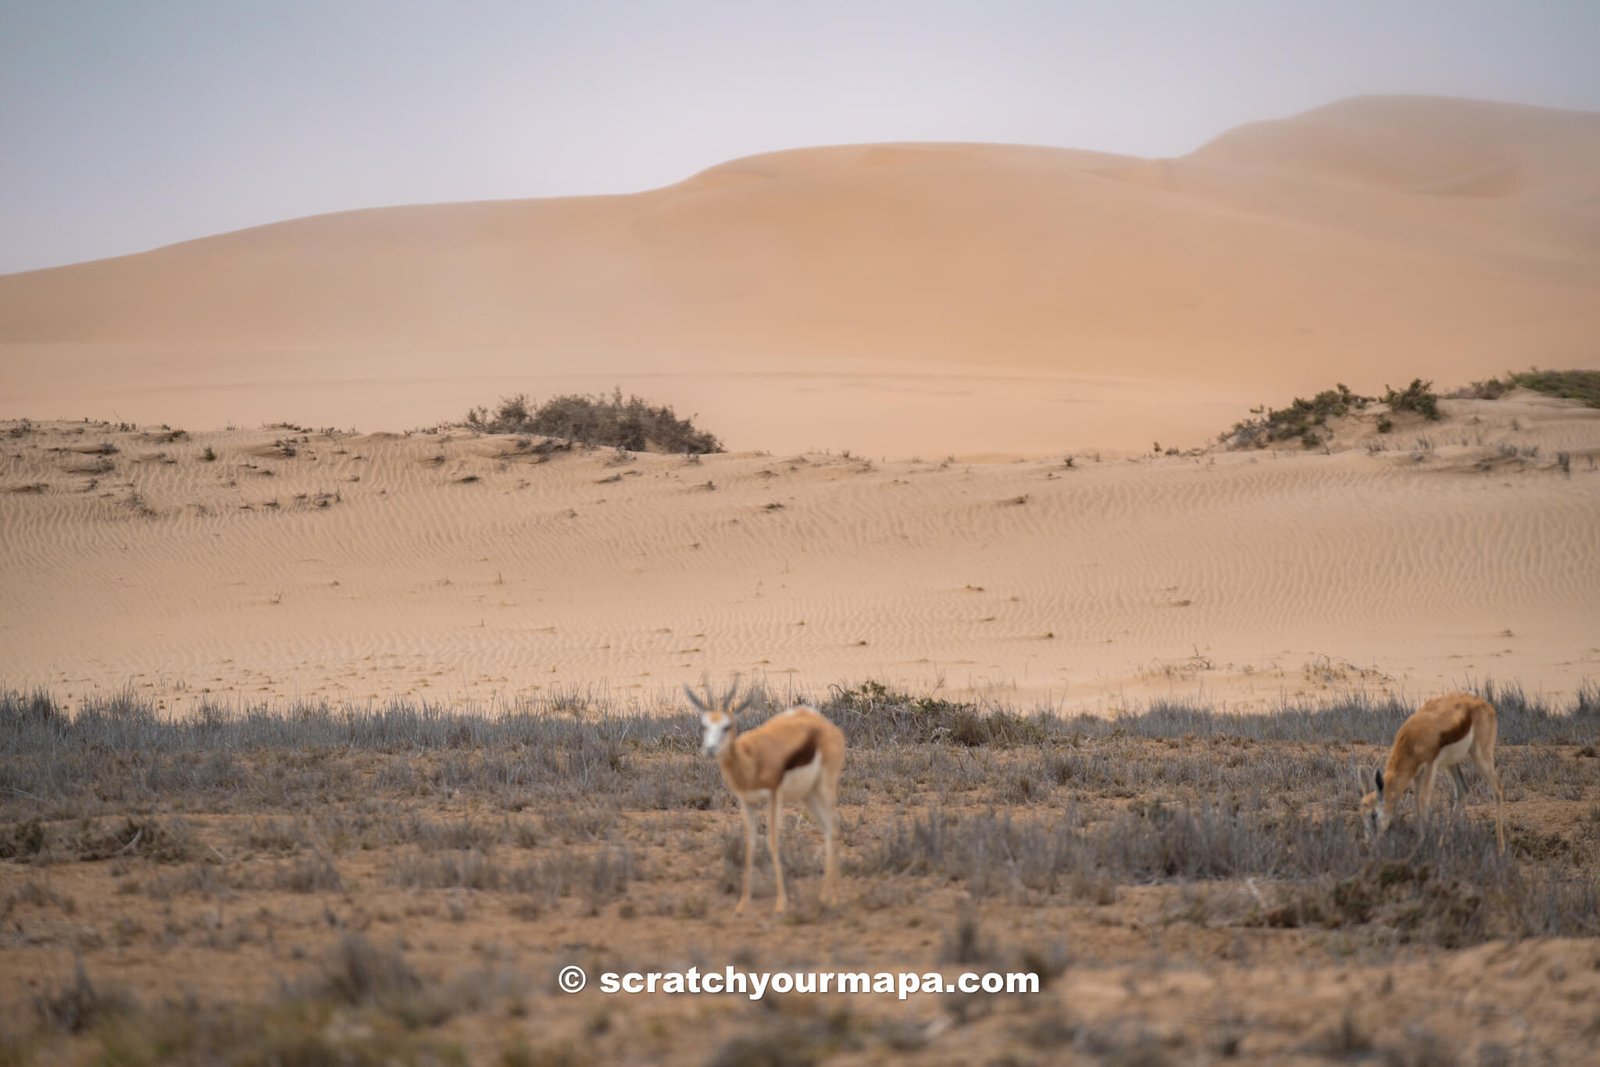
(399, 884)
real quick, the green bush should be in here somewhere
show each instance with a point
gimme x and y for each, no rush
(1581, 385)
(1298, 421)
(1418, 396)
(607, 421)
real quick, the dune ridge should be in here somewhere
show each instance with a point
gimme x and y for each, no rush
(1453, 238)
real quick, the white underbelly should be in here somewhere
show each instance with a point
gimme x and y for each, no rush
(799, 782)
(796, 785)
(1450, 755)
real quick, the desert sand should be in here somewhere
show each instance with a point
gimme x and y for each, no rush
(891, 299)
(943, 371)
(903, 344)
(474, 569)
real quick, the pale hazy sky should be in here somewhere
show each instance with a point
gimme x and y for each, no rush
(125, 125)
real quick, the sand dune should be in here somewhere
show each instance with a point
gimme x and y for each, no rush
(991, 304)
(463, 566)
(1089, 297)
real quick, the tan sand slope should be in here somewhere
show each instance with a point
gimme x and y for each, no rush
(360, 567)
(1087, 295)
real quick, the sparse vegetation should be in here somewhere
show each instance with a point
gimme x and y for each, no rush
(1488, 389)
(369, 859)
(1306, 420)
(79, 1003)
(1417, 397)
(597, 421)
(1580, 385)
(1302, 420)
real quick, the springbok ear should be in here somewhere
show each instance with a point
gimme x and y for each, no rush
(1363, 780)
(1377, 777)
(694, 698)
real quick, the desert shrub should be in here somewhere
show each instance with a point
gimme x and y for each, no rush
(158, 840)
(468, 869)
(875, 714)
(37, 708)
(314, 873)
(1299, 421)
(1449, 887)
(22, 840)
(601, 421)
(1488, 389)
(597, 877)
(79, 1004)
(1418, 397)
(355, 971)
(1449, 902)
(1581, 385)
(965, 942)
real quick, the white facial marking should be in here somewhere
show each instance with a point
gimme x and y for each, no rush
(715, 726)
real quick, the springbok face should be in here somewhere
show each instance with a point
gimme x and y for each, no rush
(716, 732)
(717, 713)
(1374, 819)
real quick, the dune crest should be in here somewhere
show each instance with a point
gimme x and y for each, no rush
(1449, 237)
(1422, 145)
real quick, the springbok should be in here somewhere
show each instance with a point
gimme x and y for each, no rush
(1442, 735)
(794, 756)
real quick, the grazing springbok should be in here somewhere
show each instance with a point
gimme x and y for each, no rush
(794, 756)
(1443, 734)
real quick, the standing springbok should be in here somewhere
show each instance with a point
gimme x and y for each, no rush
(1442, 734)
(795, 755)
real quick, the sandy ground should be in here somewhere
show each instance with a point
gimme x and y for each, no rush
(464, 567)
(892, 299)
(484, 882)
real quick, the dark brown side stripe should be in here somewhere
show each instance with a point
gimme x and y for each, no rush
(802, 755)
(1456, 732)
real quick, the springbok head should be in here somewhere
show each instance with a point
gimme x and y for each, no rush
(717, 713)
(1374, 813)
